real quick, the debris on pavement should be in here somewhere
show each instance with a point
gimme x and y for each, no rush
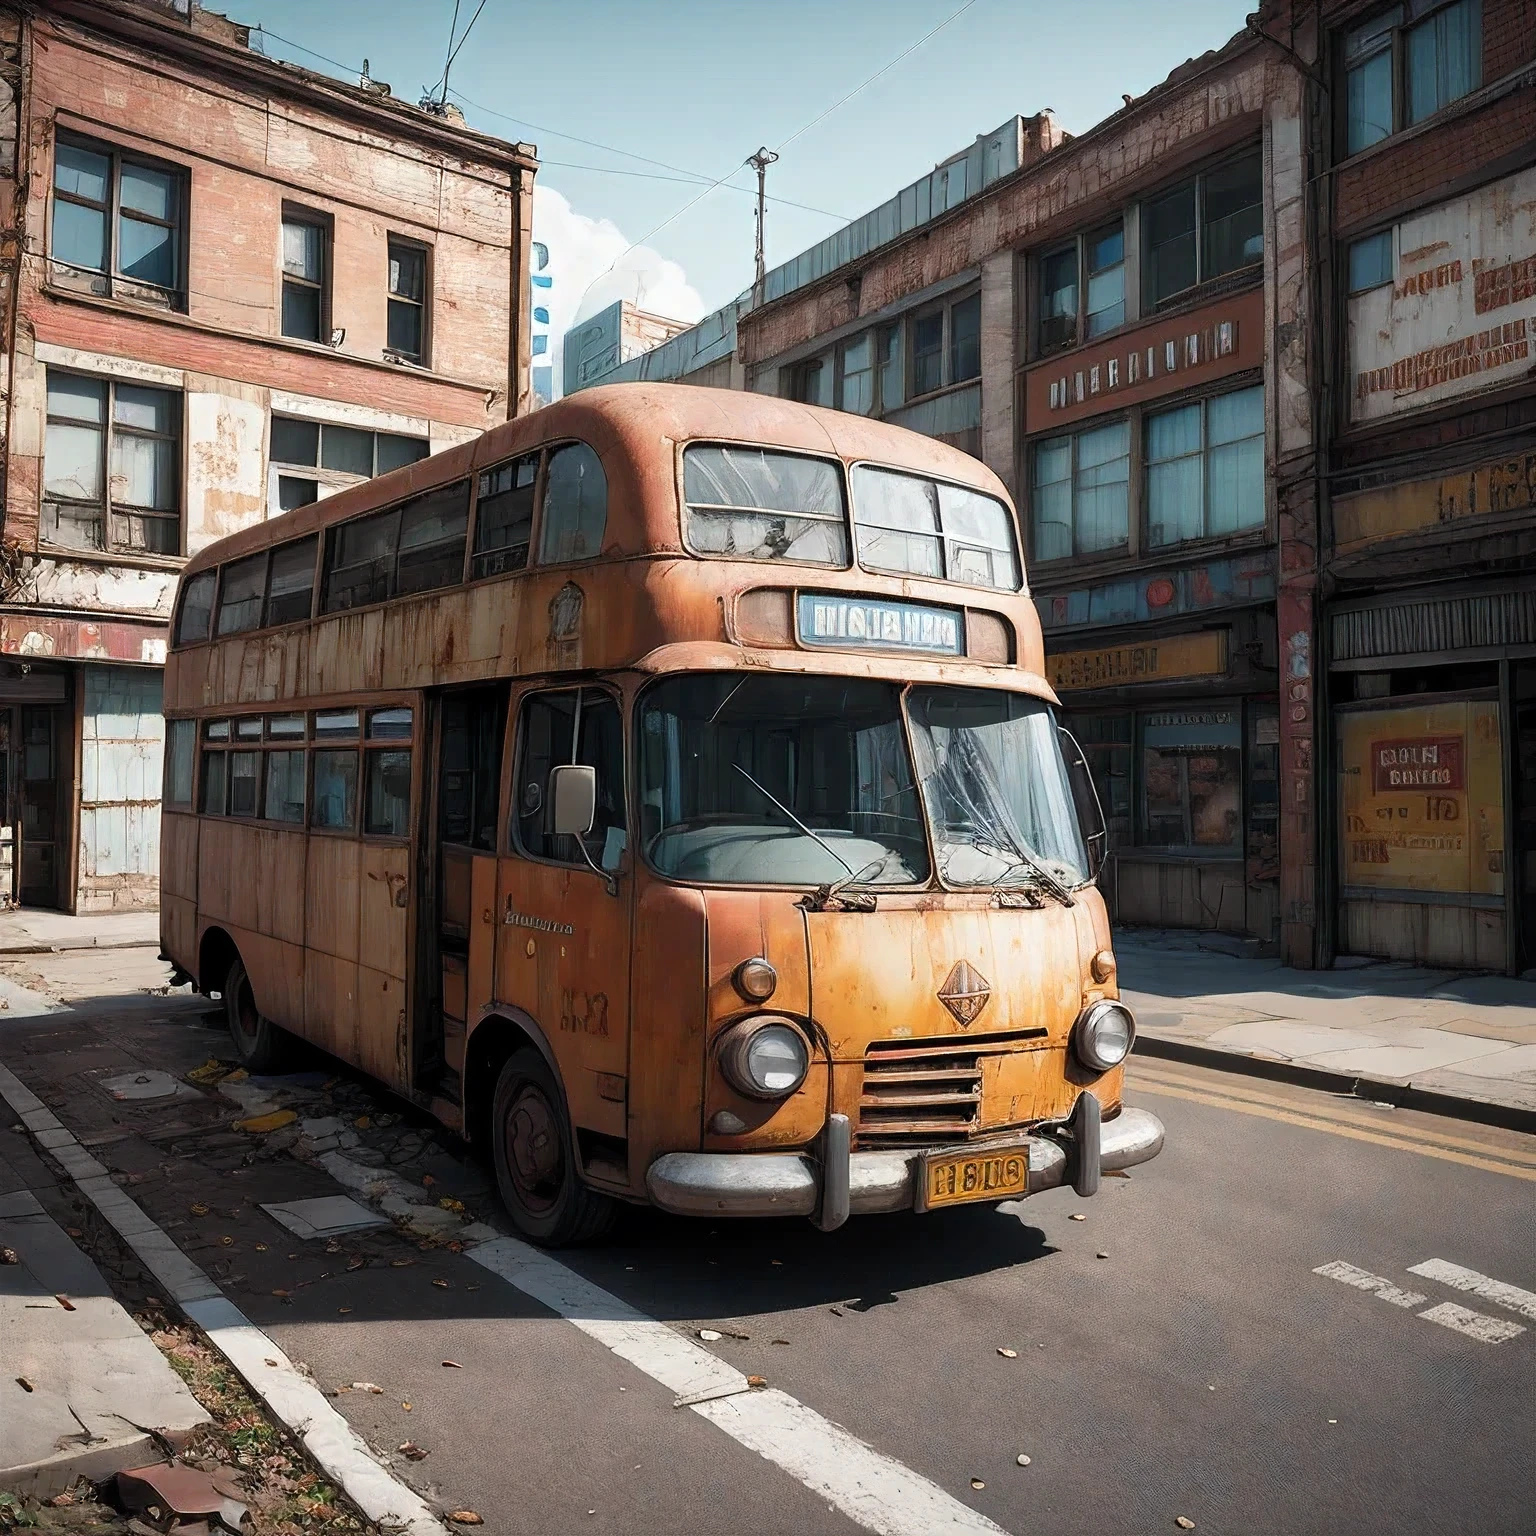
(1008, 1354)
(977, 1483)
(174, 1488)
(709, 1335)
(411, 1451)
(465, 1517)
(1184, 1523)
(1022, 1459)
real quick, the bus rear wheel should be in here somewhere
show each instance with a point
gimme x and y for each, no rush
(532, 1142)
(258, 1041)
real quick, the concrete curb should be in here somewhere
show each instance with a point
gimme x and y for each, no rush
(290, 1396)
(1508, 1117)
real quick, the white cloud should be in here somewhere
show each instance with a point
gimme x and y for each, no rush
(591, 269)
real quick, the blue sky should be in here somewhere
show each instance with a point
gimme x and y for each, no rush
(700, 84)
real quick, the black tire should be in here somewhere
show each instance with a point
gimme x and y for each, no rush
(532, 1145)
(259, 1043)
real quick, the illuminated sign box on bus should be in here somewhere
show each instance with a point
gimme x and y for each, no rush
(860, 624)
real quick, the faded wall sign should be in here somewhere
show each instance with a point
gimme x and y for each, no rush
(1506, 486)
(1154, 661)
(1156, 359)
(1162, 594)
(1422, 798)
(1459, 313)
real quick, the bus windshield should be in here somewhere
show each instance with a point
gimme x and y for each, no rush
(751, 780)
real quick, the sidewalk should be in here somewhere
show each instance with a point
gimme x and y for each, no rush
(1470, 1037)
(37, 931)
(83, 1391)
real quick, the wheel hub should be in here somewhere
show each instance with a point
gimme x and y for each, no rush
(533, 1139)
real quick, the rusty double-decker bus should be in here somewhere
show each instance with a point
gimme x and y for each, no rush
(663, 791)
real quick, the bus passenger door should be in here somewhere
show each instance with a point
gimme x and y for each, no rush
(462, 884)
(564, 941)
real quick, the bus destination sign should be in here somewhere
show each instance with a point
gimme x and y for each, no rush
(861, 623)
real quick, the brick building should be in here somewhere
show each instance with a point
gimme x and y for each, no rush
(228, 286)
(1408, 527)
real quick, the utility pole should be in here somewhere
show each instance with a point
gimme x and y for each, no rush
(760, 163)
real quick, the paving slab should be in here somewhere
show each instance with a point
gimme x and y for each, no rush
(83, 1391)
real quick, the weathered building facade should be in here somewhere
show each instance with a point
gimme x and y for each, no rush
(1416, 514)
(230, 286)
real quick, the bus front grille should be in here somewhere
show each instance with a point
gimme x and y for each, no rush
(919, 1092)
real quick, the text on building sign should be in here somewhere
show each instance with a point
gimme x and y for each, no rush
(1172, 356)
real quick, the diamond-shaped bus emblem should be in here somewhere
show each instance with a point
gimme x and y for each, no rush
(965, 993)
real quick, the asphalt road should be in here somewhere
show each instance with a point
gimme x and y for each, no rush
(1176, 1351)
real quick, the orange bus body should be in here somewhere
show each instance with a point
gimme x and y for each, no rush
(941, 1022)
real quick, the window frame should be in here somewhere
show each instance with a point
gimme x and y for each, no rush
(1151, 305)
(326, 481)
(472, 553)
(536, 562)
(395, 512)
(135, 289)
(293, 213)
(1412, 15)
(108, 428)
(1078, 246)
(406, 244)
(511, 839)
(1131, 421)
(1202, 400)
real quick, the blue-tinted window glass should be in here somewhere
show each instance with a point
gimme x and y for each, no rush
(1370, 262)
(541, 315)
(80, 236)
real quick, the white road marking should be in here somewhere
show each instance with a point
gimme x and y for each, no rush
(1364, 1280)
(1490, 1330)
(1460, 1279)
(876, 1491)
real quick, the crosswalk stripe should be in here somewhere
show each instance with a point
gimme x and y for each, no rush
(1476, 1325)
(1460, 1279)
(1364, 1280)
(873, 1490)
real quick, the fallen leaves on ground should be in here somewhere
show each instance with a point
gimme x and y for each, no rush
(1008, 1354)
(411, 1451)
(465, 1517)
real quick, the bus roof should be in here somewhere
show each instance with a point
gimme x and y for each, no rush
(625, 424)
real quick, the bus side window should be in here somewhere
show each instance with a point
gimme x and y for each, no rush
(560, 728)
(575, 506)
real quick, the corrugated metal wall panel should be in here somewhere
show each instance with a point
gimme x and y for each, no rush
(1486, 621)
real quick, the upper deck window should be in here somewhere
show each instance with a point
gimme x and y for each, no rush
(928, 528)
(196, 608)
(504, 516)
(414, 547)
(752, 504)
(575, 506)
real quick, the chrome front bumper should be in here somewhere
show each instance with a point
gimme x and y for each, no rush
(793, 1183)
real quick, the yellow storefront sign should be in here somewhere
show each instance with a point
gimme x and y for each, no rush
(1422, 798)
(1507, 486)
(1152, 661)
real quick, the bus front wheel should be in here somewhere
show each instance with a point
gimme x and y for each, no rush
(258, 1041)
(532, 1141)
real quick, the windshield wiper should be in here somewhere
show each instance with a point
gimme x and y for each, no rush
(1052, 883)
(773, 799)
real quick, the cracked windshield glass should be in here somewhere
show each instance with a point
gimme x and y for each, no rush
(996, 789)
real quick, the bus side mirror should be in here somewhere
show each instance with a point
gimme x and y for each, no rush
(573, 795)
(1085, 796)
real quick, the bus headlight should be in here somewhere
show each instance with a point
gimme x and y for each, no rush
(1102, 1037)
(765, 1057)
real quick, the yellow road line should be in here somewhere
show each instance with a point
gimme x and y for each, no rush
(1348, 1115)
(1313, 1123)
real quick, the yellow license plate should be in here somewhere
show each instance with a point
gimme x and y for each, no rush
(953, 1178)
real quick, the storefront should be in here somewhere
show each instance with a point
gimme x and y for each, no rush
(1434, 724)
(1181, 728)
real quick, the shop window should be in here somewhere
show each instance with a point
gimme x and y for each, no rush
(119, 222)
(1191, 780)
(752, 504)
(1205, 468)
(1407, 63)
(1081, 500)
(1210, 225)
(574, 726)
(1106, 741)
(575, 513)
(504, 516)
(112, 466)
(1263, 792)
(407, 319)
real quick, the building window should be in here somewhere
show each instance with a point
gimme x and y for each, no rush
(305, 268)
(1081, 501)
(1063, 318)
(1106, 741)
(965, 340)
(1370, 262)
(1209, 226)
(857, 367)
(307, 456)
(1205, 468)
(893, 376)
(1406, 64)
(811, 382)
(112, 469)
(119, 221)
(407, 336)
(928, 353)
